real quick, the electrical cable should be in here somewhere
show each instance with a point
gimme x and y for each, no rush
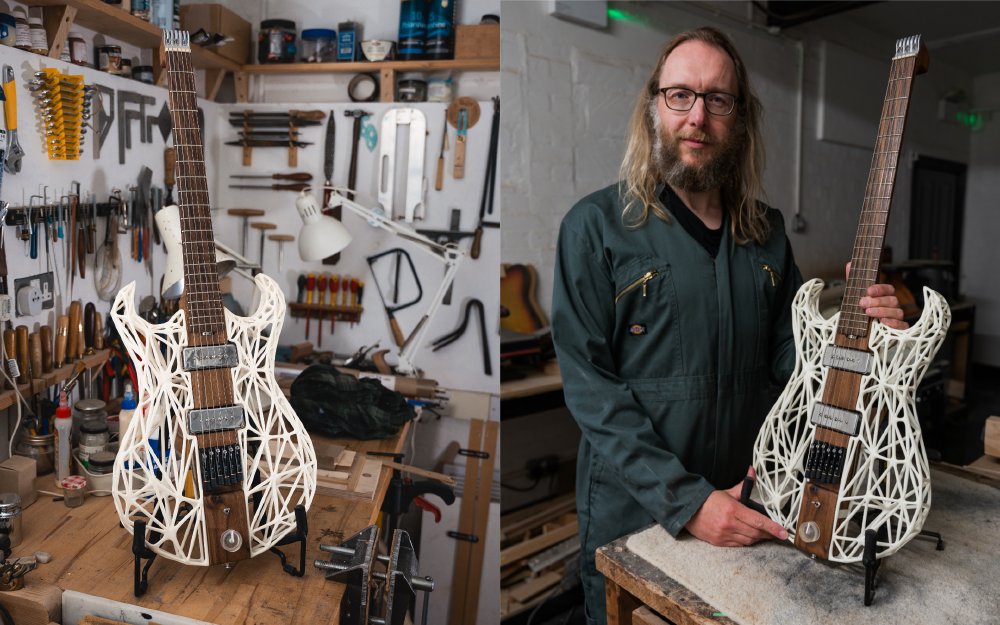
(519, 489)
(17, 393)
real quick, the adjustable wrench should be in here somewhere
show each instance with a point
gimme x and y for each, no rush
(12, 163)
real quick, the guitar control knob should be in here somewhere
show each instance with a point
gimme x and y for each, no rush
(231, 541)
(809, 532)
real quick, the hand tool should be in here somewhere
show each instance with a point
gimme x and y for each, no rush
(310, 285)
(75, 318)
(321, 282)
(263, 226)
(301, 283)
(489, 186)
(62, 338)
(89, 327)
(98, 332)
(169, 162)
(103, 115)
(334, 285)
(35, 355)
(12, 161)
(352, 171)
(299, 186)
(21, 346)
(329, 144)
(439, 177)
(277, 117)
(355, 285)
(463, 113)
(280, 239)
(390, 310)
(453, 336)
(71, 239)
(269, 143)
(45, 337)
(301, 176)
(245, 214)
(414, 120)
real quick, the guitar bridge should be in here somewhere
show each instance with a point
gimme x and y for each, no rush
(825, 462)
(221, 466)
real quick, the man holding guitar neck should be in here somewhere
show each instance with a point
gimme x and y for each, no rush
(672, 312)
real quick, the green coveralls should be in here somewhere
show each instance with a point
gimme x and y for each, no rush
(671, 382)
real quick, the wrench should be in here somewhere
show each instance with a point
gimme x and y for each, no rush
(14, 151)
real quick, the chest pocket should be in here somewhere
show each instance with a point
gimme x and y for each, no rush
(645, 334)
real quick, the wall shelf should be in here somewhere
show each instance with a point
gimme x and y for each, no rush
(56, 376)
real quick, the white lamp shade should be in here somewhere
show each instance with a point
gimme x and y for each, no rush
(321, 235)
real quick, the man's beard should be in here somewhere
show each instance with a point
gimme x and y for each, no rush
(718, 172)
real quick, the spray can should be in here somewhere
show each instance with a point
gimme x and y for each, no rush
(63, 429)
(412, 32)
(440, 30)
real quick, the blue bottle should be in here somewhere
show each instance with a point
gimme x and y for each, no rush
(412, 33)
(440, 29)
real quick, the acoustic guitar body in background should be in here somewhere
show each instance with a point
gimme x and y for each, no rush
(841, 453)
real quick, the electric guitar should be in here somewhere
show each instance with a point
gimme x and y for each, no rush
(518, 284)
(215, 459)
(841, 452)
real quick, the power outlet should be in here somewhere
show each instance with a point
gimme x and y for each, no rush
(44, 282)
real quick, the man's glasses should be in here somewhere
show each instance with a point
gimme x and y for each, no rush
(681, 99)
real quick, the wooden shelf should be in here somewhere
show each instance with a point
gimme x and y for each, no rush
(325, 312)
(56, 376)
(368, 68)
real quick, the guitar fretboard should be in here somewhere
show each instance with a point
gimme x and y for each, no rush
(868, 242)
(203, 298)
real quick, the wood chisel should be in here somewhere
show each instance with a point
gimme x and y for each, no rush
(75, 318)
(62, 338)
(35, 354)
(45, 337)
(321, 282)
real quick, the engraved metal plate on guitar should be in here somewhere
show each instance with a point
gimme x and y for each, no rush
(855, 360)
(215, 419)
(210, 357)
(834, 418)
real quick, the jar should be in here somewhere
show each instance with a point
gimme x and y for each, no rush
(276, 41)
(93, 439)
(102, 463)
(319, 45)
(8, 29)
(42, 448)
(74, 488)
(411, 89)
(88, 411)
(439, 88)
(77, 49)
(10, 517)
(140, 9)
(39, 39)
(126, 68)
(143, 73)
(22, 32)
(109, 59)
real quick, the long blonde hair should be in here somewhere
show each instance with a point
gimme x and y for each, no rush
(640, 176)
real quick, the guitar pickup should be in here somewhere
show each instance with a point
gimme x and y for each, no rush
(209, 357)
(215, 419)
(854, 360)
(834, 418)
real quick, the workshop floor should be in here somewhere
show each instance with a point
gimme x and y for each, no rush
(960, 440)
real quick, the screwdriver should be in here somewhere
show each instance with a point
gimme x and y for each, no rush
(334, 285)
(300, 176)
(299, 186)
(320, 299)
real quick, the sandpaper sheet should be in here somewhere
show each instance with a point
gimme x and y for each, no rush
(775, 584)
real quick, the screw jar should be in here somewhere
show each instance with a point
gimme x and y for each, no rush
(276, 42)
(42, 448)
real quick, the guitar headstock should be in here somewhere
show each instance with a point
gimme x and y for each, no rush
(177, 41)
(913, 46)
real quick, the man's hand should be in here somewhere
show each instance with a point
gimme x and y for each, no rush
(880, 303)
(723, 521)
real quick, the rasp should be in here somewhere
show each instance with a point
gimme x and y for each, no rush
(328, 150)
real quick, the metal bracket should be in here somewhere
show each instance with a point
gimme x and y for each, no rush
(415, 182)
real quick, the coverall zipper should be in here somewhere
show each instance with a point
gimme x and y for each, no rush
(645, 278)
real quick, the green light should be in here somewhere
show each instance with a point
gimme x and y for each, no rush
(617, 15)
(970, 119)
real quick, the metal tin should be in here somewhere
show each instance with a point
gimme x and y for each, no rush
(109, 59)
(10, 517)
(276, 41)
(102, 463)
(42, 448)
(411, 90)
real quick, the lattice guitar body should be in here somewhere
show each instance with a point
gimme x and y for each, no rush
(274, 459)
(885, 483)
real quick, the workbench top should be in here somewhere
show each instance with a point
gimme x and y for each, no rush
(91, 553)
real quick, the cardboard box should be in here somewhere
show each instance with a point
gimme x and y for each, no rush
(17, 475)
(477, 41)
(215, 18)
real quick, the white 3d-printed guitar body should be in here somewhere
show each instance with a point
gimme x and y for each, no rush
(886, 483)
(161, 482)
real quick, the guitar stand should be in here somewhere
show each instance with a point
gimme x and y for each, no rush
(141, 551)
(298, 535)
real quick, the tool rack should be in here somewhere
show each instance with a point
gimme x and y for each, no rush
(325, 311)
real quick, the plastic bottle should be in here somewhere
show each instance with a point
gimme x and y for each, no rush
(127, 410)
(64, 427)
(412, 30)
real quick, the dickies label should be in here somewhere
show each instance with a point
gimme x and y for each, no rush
(637, 329)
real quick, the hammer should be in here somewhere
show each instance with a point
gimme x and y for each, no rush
(357, 114)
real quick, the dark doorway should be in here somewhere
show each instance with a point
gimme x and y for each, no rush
(936, 211)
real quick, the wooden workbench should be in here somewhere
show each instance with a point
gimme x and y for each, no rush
(93, 554)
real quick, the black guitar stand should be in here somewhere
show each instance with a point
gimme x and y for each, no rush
(141, 551)
(868, 559)
(298, 535)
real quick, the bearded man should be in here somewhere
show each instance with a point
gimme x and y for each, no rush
(671, 312)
